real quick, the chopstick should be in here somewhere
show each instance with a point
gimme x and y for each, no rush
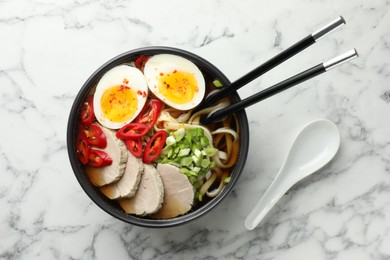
(273, 62)
(288, 83)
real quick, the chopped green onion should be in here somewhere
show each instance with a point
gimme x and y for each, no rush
(193, 173)
(217, 83)
(210, 151)
(196, 159)
(184, 170)
(188, 137)
(185, 161)
(170, 153)
(212, 165)
(188, 172)
(205, 163)
(170, 140)
(196, 184)
(197, 146)
(184, 152)
(227, 180)
(198, 153)
(179, 134)
(191, 151)
(204, 141)
(200, 131)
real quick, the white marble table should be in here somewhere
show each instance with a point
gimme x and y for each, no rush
(49, 48)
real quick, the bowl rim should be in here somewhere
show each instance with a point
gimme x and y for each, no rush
(95, 195)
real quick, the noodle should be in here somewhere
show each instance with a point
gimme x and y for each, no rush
(231, 146)
(180, 116)
(194, 119)
(208, 184)
(212, 194)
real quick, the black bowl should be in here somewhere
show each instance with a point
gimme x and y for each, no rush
(110, 206)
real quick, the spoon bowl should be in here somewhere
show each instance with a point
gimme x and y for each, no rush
(313, 148)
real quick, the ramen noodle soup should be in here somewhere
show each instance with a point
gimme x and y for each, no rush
(141, 143)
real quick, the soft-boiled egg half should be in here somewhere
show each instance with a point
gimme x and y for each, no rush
(119, 97)
(175, 80)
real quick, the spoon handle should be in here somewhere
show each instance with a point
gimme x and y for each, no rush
(273, 194)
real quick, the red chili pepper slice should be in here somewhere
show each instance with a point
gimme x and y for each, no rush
(98, 158)
(140, 62)
(132, 130)
(134, 146)
(154, 146)
(150, 112)
(87, 115)
(95, 136)
(82, 149)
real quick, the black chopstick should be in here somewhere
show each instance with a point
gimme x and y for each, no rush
(288, 83)
(271, 63)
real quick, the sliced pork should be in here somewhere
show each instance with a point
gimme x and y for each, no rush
(149, 196)
(178, 192)
(127, 185)
(116, 149)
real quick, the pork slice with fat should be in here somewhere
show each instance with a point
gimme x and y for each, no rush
(127, 185)
(149, 196)
(178, 192)
(116, 149)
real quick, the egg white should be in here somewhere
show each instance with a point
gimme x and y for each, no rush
(115, 77)
(166, 63)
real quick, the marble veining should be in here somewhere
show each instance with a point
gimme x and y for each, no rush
(49, 48)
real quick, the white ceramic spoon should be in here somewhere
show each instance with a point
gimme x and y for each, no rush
(316, 144)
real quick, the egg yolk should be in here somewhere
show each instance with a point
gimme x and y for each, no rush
(119, 103)
(178, 87)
